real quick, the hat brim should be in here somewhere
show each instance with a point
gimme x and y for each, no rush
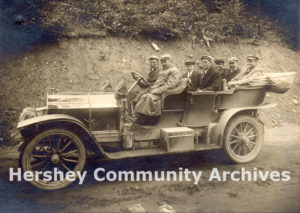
(252, 58)
(189, 63)
(154, 59)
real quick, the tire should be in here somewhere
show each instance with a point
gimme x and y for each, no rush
(243, 139)
(54, 148)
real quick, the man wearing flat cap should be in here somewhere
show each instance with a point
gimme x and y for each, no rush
(192, 75)
(149, 104)
(135, 95)
(252, 71)
(211, 79)
(233, 70)
(154, 69)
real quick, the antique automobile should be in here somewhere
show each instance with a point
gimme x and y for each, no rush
(73, 124)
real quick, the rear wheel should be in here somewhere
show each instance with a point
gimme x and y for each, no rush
(243, 139)
(55, 151)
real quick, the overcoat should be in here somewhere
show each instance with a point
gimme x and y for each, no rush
(150, 103)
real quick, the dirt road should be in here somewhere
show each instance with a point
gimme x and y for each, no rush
(280, 153)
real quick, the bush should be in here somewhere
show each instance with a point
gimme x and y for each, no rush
(159, 19)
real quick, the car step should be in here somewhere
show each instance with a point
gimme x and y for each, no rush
(157, 151)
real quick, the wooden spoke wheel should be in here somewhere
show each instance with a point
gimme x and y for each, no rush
(243, 139)
(53, 151)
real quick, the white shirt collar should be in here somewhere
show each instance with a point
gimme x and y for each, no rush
(189, 74)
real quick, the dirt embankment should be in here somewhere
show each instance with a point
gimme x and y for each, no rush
(85, 64)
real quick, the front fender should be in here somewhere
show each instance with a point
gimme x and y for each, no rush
(48, 118)
(216, 131)
(63, 121)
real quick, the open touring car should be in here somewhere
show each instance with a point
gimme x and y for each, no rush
(73, 124)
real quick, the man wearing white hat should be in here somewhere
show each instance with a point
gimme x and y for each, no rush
(252, 71)
(150, 103)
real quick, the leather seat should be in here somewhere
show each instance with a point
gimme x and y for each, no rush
(176, 96)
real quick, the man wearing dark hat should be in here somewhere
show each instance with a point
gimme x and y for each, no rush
(192, 75)
(252, 71)
(211, 79)
(220, 65)
(149, 105)
(233, 70)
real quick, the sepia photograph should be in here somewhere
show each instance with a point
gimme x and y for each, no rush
(149, 106)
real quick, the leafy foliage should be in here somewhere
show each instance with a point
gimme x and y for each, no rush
(225, 20)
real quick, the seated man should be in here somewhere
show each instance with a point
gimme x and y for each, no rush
(211, 80)
(252, 71)
(233, 70)
(149, 105)
(192, 75)
(135, 95)
(220, 68)
(220, 65)
(154, 70)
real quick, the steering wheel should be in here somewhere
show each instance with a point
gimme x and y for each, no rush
(140, 79)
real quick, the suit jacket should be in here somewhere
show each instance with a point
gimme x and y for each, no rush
(195, 79)
(211, 80)
(228, 75)
(152, 76)
(246, 75)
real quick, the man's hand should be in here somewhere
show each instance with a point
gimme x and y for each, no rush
(188, 80)
(230, 83)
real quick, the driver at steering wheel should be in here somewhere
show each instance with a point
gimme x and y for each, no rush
(135, 95)
(154, 69)
(149, 105)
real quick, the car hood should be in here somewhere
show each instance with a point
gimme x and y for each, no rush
(81, 100)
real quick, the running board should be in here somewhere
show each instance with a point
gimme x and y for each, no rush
(156, 151)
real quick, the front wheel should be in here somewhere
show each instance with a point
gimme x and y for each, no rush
(243, 139)
(54, 152)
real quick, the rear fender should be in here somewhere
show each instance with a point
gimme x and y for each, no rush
(31, 127)
(216, 131)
